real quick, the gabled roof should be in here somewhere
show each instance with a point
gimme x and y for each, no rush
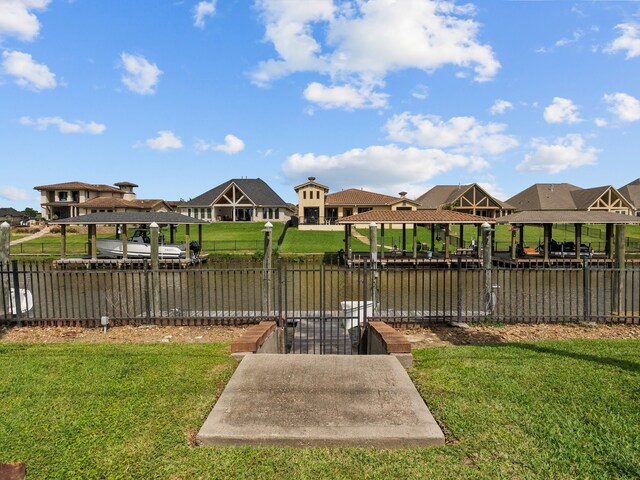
(255, 189)
(441, 195)
(354, 196)
(585, 197)
(545, 196)
(312, 183)
(631, 191)
(93, 187)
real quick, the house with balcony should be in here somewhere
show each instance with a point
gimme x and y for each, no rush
(320, 210)
(238, 200)
(71, 199)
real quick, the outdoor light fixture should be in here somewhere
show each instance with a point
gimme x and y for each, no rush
(267, 227)
(104, 321)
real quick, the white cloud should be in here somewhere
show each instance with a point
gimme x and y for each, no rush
(42, 123)
(27, 73)
(344, 96)
(562, 110)
(231, 145)
(203, 10)
(17, 18)
(336, 39)
(623, 106)
(501, 106)
(628, 41)
(141, 76)
(600, 122)
(385, 168)
(567, 152)
(462, 134)
(13, 194)
(166, 140)
(421, 92)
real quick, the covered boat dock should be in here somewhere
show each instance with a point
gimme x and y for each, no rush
(121, 221)
(567, 253)
(416, 255)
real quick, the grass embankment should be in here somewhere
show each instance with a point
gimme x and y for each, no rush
(561, 409)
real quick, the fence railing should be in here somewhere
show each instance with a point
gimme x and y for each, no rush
(242, 294)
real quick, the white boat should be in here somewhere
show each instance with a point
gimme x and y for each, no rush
(112, 248)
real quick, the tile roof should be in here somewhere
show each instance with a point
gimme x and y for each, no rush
(255, 188)
(354, 196)
(311, 183)
(538, 217)
(415, 216)
(93, 187)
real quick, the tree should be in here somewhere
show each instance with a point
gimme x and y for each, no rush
(31, 213)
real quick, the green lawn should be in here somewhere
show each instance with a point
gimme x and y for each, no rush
(534, 410)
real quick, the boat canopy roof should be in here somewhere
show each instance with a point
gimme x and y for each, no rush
(109, 218)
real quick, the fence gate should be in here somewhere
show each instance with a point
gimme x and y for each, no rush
(325, 308)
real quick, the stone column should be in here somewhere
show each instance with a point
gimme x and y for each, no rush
(266, 268)
(5, 235)
(63, 241)
(486, 264)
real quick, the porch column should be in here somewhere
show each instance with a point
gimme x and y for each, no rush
(404, 237)
(513, 242)
(234, 213)
(415, 241)
(63, 241)
(382, 241)
(447, 239)
(547, 239)
(125, 245)
(578, 231)
(608, 246)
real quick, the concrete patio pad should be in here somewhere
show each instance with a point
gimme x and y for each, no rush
(320, 401)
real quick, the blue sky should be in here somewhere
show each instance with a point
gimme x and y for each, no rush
(180, 96)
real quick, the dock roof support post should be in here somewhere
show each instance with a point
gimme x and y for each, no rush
(513, 242)
(187, 240)
(447, 239)
(461, 238)
(404, 237)
(578, 241)
(382, 241)
(94, 247)
(123, 237)
(521, 240)
(608, 248)
(63, 241)
(433, 237)
(547, 240)
(347, 241)
(200, 234)
(415, 241)
(172, 233)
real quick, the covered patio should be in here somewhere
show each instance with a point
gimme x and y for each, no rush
(574, 252)
(121, 223)
(416, 253)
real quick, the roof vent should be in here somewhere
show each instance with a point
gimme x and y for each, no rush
(312, 179)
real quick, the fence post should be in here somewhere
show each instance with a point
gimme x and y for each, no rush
(620, 264)
(155, 265)
(586, 289)
(5, 229)
(459, 287)
(16, 291)
(266, 267)
(486, 265)
(373, 250)
(147, 302)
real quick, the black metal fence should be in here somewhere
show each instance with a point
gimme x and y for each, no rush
(295, 294)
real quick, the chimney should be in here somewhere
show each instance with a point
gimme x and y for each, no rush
(402, 194)
(312, 179)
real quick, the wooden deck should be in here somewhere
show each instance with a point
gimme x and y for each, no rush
(393, 260)
(129, 263)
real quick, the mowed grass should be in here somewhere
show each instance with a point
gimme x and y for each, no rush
(562, 409)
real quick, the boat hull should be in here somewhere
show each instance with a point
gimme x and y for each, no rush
(112, 248)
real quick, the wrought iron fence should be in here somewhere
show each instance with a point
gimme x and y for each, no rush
(295, 294)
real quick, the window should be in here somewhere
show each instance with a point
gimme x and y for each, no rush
(209, 213)
(188, 212)
(265, 213)
(62, 196)
(276, 214)
(304, 195)
(202, 213)
(364, 209)
(318, 195)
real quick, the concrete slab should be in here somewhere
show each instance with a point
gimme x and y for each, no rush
(320, 401)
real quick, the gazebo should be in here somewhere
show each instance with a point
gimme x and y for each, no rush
(446, 218)
(548, 218)
(121, 221)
